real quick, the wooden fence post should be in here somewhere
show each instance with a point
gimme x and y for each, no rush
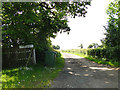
(34, 57)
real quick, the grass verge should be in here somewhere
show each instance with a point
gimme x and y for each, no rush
(99, 61)
(36, 76)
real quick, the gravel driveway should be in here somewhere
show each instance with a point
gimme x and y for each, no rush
(81, 73)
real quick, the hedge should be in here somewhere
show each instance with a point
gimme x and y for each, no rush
(111, 53)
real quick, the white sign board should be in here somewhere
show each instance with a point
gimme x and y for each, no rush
(26, 46)
(30, 46)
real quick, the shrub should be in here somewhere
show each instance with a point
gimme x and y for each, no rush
(111, 54)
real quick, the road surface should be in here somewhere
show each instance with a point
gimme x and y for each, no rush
(81, 73)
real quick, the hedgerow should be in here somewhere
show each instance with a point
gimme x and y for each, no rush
(107, 54)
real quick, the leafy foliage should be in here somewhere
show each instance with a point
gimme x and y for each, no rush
(81, 46)
(93, 45)
(113, 32)
(112, 40)
(35, 22)
(56, 47)
(100, 55)
(90, 46)
(108, 54)
(36, 76)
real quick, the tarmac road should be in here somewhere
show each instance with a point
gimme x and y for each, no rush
(81, 73)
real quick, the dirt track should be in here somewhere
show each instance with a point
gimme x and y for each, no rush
(82, 73)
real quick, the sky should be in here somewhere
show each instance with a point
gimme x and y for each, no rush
(86, 30)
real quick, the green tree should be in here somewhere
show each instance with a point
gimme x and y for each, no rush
(56, 47)
(112, 29)
(90, 46)
(112, 40)
(81, 46)
(100, 46)
(93, 45)
(35, 22)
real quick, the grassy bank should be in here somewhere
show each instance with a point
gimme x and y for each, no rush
(97, 60)
(36, 76)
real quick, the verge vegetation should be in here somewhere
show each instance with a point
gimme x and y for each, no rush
(37, 76)
(98, 55)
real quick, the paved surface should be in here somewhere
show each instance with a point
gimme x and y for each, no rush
(81, 73)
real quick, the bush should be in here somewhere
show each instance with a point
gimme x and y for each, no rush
(58, 54)
(111, 54)
(108, 54)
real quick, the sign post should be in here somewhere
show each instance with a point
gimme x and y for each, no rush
(30, 46)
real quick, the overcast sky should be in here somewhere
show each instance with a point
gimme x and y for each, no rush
(85, 30)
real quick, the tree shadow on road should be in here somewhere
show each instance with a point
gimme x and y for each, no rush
(90, 71)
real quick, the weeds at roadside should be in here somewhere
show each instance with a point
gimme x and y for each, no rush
(99, 61)
(36, 76)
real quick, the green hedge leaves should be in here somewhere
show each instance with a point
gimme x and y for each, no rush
(108, 54)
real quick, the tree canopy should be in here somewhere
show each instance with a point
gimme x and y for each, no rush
(112, 39)
(93, 45)
(35, 22)
(56, 47)
(81, 46)
(112, 29)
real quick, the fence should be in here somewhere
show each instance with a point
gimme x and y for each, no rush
(16, 57)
